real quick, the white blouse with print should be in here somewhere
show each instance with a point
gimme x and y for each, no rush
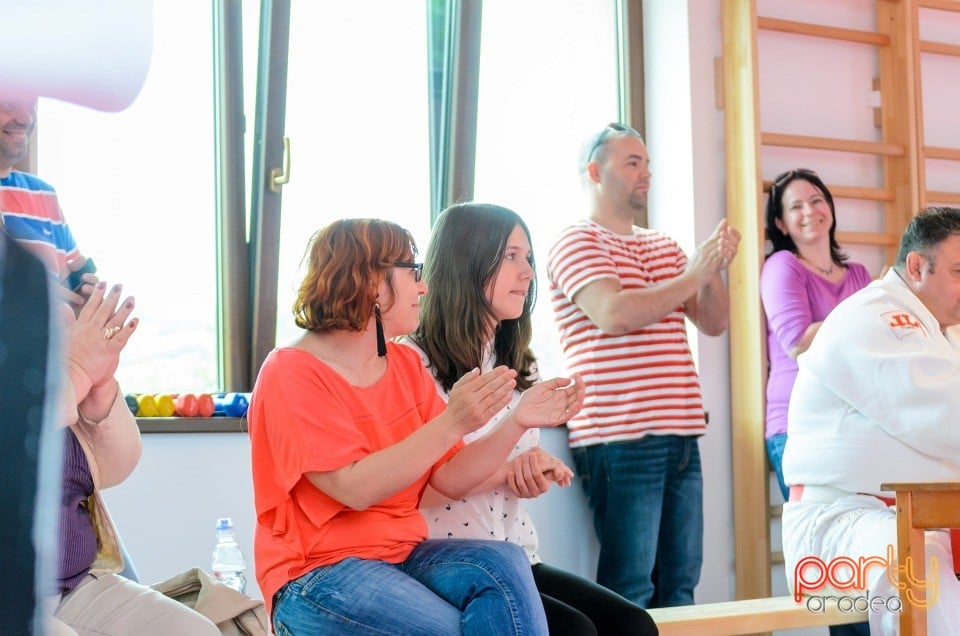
(497, 514)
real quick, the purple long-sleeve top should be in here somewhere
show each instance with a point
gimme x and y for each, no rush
(794, 298)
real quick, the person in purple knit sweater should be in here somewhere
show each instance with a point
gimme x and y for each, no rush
(101, 447)
(803, 279)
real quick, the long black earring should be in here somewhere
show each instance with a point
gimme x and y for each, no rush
(381, 341)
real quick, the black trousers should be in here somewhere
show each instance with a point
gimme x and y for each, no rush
(576, 606)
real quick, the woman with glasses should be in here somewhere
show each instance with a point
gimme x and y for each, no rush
(803, 279)
(347, 430)
(482, 290)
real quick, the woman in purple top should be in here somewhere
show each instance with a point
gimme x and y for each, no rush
(803, 279)
(101, 449)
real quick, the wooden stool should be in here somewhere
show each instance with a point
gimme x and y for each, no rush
(920, 506)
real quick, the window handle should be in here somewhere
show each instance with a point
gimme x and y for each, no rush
(280, 177)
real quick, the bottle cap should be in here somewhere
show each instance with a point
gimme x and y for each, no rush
(225, 523)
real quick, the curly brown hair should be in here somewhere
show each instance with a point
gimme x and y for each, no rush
(347, 261)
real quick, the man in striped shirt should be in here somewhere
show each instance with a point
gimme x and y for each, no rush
(29, 209)
(620, 294)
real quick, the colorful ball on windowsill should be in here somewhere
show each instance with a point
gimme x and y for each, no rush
(231, 404)
(194, 405)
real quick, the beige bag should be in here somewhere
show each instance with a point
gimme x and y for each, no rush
(234, 613)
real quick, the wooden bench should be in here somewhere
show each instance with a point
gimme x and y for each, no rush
(747, 617)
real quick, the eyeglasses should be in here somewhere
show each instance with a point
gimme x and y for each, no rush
(416, 267)
(601, 139)
(788, 176)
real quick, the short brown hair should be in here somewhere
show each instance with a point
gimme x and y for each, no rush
(929, 228)
(347, 261)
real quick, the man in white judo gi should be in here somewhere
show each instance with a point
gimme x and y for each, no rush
(877, 400)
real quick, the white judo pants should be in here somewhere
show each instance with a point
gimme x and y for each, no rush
(856, 526)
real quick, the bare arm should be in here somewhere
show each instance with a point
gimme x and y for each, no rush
(617, 311)
(432, 497)
(384, 473)
(699, 290)
(547, 403)
(478, 462)
(709, 309)
(527, 475)
(473, 401)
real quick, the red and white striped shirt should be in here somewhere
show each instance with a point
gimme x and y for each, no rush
(640, 383)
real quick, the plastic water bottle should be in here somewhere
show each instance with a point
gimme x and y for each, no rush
(228, 564)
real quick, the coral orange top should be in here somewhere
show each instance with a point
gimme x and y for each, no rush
(304, 417)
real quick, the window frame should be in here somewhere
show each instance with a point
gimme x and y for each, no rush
(247, 253)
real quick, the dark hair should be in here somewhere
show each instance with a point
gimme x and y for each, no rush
(930, 227)
(347, 261)
(594, 148)
(782, 241)
(464, 256)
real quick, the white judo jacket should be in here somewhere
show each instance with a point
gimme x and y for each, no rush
(877, 398)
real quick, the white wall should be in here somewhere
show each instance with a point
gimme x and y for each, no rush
(166, 510)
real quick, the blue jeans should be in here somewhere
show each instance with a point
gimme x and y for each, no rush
(775, 446)
(446, 586)
(647, 501)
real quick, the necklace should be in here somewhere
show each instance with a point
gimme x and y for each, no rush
(828, 271)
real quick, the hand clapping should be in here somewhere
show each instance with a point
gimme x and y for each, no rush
(476, 397)
(728, 243)
(550, 403)
(716, 253)
(97, 336)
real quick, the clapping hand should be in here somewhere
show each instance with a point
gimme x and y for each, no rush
(477, 397)
(716, 253)
(729, 243)
(550, 403)
(94, 342)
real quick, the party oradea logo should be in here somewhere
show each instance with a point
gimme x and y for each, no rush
(842, 582)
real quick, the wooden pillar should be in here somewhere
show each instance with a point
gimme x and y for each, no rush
(747, 356)
(900, 116)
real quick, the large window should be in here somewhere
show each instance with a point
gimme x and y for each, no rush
(357, 119)
(140, 188)
(137, 190)
(548, 79)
